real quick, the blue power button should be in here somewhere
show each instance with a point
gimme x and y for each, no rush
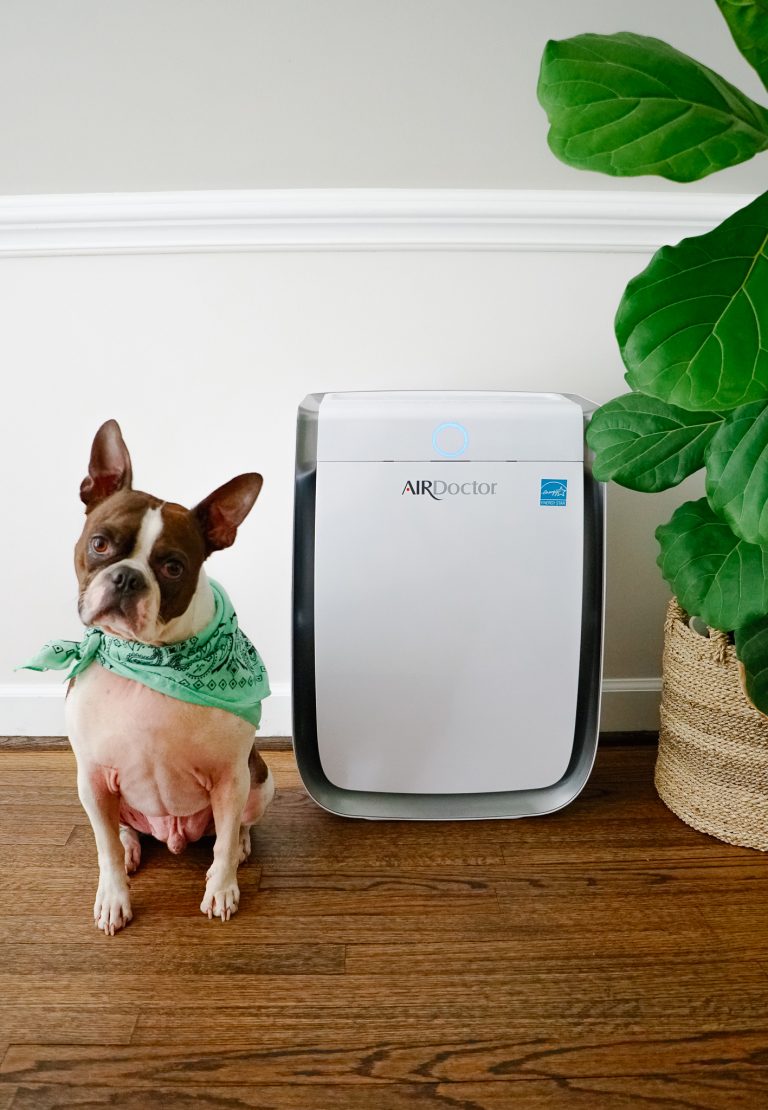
(450, 440)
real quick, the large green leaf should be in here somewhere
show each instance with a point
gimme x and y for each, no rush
(748, 21)
(752, 650)
(646, 445)
(717, 576)
(693, 326)
(737, 472)
(626, 104)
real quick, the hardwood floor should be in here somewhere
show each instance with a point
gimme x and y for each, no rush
(604, 957)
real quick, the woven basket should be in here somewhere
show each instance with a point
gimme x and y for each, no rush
(712, 768)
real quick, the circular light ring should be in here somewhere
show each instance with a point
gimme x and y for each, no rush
(461, 449)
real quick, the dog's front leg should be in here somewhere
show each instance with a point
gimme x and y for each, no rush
(228, 798)
(112, 908)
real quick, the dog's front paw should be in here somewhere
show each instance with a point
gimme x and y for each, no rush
(221, 898)
(112, 908)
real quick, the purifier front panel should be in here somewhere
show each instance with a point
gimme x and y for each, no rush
(447, 623)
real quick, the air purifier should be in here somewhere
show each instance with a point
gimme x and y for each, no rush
(447, 603)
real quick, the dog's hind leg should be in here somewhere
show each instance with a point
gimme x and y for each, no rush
(261, 793)
(129, 839)
(244, 850)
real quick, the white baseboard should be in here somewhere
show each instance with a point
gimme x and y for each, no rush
(629, 705)
(38, 710)
(356, 219)
(32, 710)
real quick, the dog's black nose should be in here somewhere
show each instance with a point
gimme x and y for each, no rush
(128, 580)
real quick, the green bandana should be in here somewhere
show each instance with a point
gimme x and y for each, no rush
(218, 667)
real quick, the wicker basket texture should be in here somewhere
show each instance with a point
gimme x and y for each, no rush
(712, 768)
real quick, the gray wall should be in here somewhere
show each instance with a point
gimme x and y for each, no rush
(107, 95)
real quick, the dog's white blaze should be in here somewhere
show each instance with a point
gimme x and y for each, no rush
(149, 531)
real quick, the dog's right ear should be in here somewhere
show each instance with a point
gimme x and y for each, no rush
(110, 467)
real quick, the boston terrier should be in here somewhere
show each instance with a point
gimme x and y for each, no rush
(166, 690)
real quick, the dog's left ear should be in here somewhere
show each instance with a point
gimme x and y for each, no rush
(224, 510)
(109, 469)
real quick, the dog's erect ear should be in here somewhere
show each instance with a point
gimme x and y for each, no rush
(110, 467)
(224, 510)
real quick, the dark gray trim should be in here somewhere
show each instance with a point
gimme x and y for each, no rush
(640, 738)
(435, 807)
(61, 743)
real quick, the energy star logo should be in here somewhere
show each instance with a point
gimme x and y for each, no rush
(554, 491)
(437, 489)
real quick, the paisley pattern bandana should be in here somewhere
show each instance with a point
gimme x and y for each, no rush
(218, 667)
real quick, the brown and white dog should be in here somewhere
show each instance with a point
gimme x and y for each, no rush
(194, 768)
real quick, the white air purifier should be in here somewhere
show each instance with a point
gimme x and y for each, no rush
(448, 603)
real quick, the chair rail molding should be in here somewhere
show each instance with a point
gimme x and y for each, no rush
(356, 219)
(37, 708)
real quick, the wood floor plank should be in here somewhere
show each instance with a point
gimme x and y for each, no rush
(188, 927)
(66, 894)
(45, 777)
(394, 1096)
(460, 846)
(478, 1022)
(706, 990)
(702, 1091)
(295, 830)
(738, 921)
(54, 836)
(395, 851)
(76, 886)
(423, 1059)
(476, 957)
(690, 1091)
(80, 1024)
(37, 798)
(742, 875)
(62, 761)
(230, 959)
(737, 877)
(18, 819)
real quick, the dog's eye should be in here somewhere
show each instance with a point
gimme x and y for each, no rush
(172, 568)
(99, 545)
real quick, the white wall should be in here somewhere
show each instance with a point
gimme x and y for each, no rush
(97, 95)
(203, 359)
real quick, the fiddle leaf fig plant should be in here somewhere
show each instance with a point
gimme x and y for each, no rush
(692, 328)
(746, 20)
(627, 104)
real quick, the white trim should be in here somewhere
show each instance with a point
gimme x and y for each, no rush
(356, 219)
(276, 717)
(37, 709)
(33, 690)
(630, 704)
(631, 685)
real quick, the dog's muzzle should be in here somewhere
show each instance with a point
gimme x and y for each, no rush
(119, 600)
